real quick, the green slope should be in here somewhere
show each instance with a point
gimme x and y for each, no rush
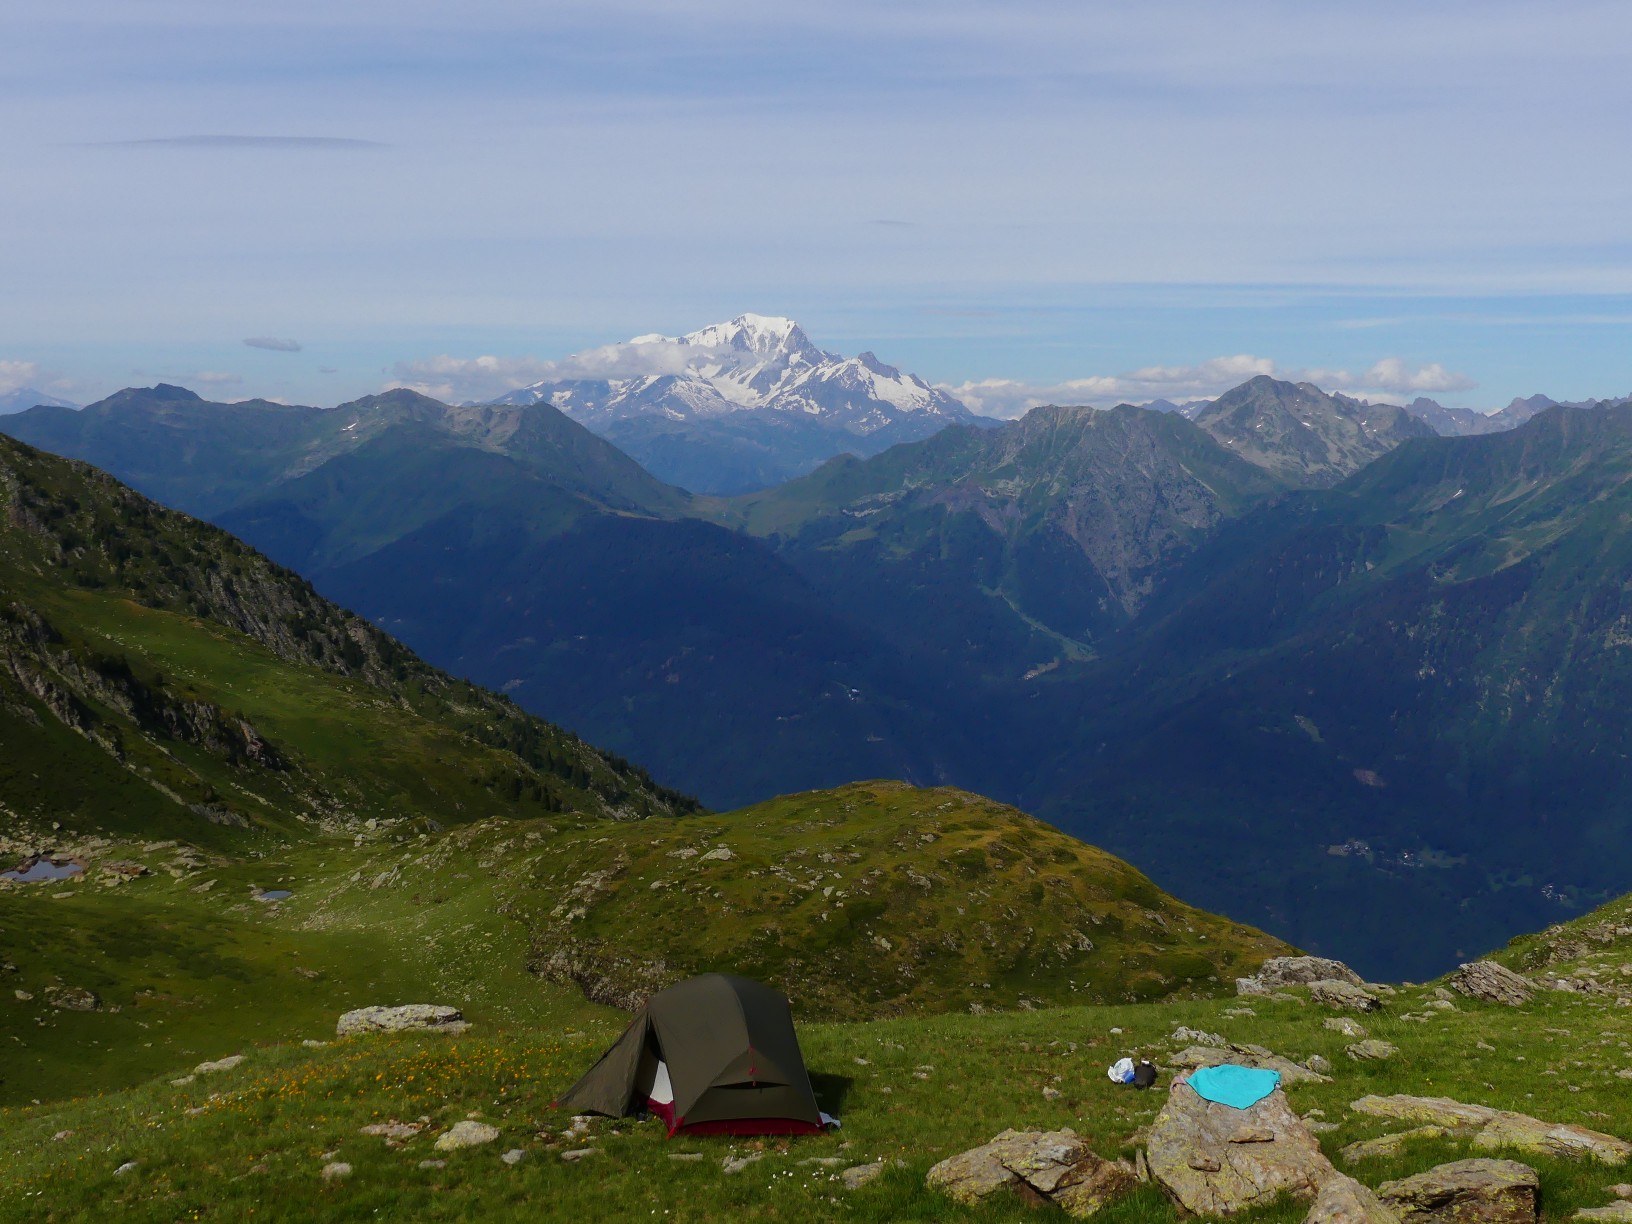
(161, 678)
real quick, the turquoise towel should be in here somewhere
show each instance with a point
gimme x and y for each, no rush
(1237, 1087)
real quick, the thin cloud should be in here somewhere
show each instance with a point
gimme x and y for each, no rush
(16, 375)
(273, 344)
(1391, 376)
(235, 141)
(478, 378)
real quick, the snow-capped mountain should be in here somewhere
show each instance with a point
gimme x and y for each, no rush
(754, 363)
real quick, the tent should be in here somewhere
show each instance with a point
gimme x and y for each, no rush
(715, 1054)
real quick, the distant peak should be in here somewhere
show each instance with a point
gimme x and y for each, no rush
(754, 333)
(169, 391)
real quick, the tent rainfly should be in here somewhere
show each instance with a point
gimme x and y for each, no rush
(715, 1054)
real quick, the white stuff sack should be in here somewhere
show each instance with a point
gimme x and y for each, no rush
(1120, 1072)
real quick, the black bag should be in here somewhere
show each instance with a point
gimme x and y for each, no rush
(1144, 1075)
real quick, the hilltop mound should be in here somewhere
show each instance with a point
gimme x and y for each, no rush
(868, 900)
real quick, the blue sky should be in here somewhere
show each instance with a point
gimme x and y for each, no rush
(1027, 200)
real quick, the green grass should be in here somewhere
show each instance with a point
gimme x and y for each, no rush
(256, 1146)
(201, 975)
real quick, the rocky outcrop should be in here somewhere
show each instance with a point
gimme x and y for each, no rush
(424, 1016)
(1475, 1191)
(1278, 972)
(1344, 996)
(1500, 1128)
(1038, 1166)
(1342, 1200)
(1211, 1159)
(1494, 983)
(1245, 1055)
(72, 998)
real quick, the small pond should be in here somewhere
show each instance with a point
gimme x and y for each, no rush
(274, 894)
(42, 869)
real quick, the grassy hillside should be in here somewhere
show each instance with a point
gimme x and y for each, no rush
(910, 1091)
(162, 679)
(871, 900)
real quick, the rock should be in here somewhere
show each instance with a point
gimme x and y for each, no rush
(720, 854)
(130, 1166)
(23, 996)
(399, 1132)
(1319, 1064)
(433, 1164)
(72, 998)
(1434, 1111)
(396, 1019)
(1038, 1166)
(1342, 1200)
(821, 1162)
(736, 1164)
(1189, 1036)
(183, 1081)
(1527, 1134)
(514, 1156)
(1344, 996)
(466, 1134)
(1052, 1094)
(1371, 1050)
(1615, 1213)
(1475, 1191)
(337, 1170)
(221, 1064)
(1619, 1191)
(1279, 971)
(1246, 1056)
(577, 1154)
(857, 1176)
(686, 1156)
(1214, 1160)
(61, 1135)
(1346, 1026)
(1494, 983)
(1498, 1128)
(1390, 1145)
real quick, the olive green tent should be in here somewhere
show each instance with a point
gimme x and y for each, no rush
(724, 1045)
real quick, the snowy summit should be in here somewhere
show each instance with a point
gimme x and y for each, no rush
(754, 363)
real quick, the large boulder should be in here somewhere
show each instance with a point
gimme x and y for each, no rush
(1342, 1200)
(1038, 1166)
(1281, 971)
(429, 1016)
(1475, 1191)
(1500, 1128)
(1492, 982)
(1211, 1159)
